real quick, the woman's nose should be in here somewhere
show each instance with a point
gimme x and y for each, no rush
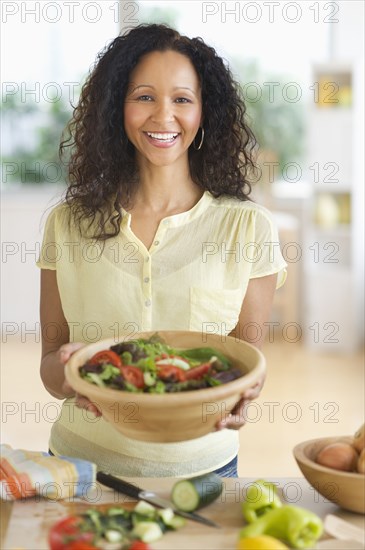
(163, 112)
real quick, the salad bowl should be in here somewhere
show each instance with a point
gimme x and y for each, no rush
(169, 417)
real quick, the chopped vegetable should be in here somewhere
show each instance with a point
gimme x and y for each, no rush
(299, 527)
(133, 375)
(118, 527)
(191, 494)
(106, 356)
(261, 497)
(147, 531)
(152, 366)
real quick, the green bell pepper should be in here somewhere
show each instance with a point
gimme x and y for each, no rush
(297, 526)
(261, 497)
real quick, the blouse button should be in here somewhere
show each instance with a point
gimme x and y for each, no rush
(147, 258)
(147, 303)
(156, 243)
(146, 279)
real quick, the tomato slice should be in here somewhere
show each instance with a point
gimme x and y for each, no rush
(133, 375)
(171, 373)
(107, 356)
(81, 545)
(139, 545)
(196, 373)
(67, 532)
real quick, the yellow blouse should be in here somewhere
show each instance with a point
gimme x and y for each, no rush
(193, 277)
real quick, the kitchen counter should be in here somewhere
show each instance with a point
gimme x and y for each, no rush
(25, 524)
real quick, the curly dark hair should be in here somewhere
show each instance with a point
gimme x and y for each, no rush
(102, 170)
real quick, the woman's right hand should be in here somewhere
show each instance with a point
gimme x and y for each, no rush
(64, 354)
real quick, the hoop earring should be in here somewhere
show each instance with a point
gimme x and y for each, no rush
(201, 141)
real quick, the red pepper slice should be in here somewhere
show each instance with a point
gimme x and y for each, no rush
(133, 375)
(196, 373)
(107, 356)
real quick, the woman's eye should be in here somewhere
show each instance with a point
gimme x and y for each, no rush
(182, 100)
(144, 98)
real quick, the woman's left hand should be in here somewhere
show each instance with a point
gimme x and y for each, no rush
(237, 417)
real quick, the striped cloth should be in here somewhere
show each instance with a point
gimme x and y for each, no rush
(28, 473)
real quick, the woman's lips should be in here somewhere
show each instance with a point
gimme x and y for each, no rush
(162, 139)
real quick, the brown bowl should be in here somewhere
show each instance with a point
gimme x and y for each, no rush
(346, 489)
(172, 416)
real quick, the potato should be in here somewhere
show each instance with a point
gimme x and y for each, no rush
(340, 456)
(359, 439)
(361, 462)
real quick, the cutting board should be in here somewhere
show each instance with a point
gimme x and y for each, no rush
(31, 519)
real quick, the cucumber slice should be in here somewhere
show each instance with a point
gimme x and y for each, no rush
(166, 514)
(144, 508)
(147, 531)
(112, 535)
(191, 494)
(149, 378)
(176, 522)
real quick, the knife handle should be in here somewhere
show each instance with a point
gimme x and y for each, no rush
(118, 484)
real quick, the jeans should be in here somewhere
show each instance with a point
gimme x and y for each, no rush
(229, 470)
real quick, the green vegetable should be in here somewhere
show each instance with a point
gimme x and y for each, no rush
(202, 355)
(145, 508)
(260, 498)
(159, 387)
(109, 371)
(126, 358)
(147, 531)
(194, 493)
(113, 536)
(95, 379)
(149, 378)
(299, 527)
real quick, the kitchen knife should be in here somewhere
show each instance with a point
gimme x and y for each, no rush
(136, 492)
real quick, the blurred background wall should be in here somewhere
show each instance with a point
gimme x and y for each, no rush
(300, 65)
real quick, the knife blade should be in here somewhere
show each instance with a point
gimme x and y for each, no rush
(122, 486)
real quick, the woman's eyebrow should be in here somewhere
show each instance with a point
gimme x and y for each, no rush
(133, 89)
(184, 88)
(152, 87)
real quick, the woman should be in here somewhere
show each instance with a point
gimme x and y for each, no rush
(156, 233)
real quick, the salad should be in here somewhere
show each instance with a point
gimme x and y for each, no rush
(113, 529)
(152, 366)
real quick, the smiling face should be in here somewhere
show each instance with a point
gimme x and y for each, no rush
(163, 108)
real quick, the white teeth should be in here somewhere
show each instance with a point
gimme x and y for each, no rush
(162, 137)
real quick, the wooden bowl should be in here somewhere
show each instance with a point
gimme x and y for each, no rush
(346, 489)
(171, 416)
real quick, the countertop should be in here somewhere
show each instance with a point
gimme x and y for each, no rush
(25, 524)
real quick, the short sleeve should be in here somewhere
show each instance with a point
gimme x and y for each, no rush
(50, 249)
(267, 258)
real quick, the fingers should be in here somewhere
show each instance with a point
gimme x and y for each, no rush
(254, 392)
(67, 350)
(236, 418)
(64, 354)
(83, 403)
(232, 422)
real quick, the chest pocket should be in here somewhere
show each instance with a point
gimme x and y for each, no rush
(214, 310)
